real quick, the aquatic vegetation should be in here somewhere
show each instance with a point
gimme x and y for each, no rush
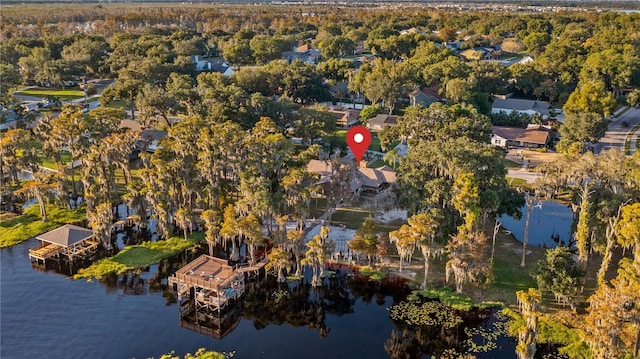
(202, 353)
(428, 313)
(454, 300)
(17, 229)
(140, 256)
(372, 273)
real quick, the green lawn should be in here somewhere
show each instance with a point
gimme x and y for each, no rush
(511, 164)
(510, 55)
(351, 217)
(318, 207)
(140, 256)
(64, 95)
(339, 139)
(518, 182)
(47, 162)
(118, 104)
(16, 229)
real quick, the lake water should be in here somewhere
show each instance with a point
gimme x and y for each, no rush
(554, 218)
(48, 315)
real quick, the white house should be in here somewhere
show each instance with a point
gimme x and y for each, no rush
(204, 64)
(534, 136)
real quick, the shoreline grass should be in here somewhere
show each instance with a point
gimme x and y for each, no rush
(17, 229)
(139, 256)
(447, 296)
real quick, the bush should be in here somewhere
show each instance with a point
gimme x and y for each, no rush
(91, 90)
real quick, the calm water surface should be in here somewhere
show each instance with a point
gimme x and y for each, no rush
(554, 218)
(48, 315)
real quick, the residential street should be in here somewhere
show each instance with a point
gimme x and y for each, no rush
(617, 132)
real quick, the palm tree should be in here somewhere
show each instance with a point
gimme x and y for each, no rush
(391, 157)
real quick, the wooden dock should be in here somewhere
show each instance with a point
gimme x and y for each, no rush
(208, 283)
(69, 242)
(244, 268)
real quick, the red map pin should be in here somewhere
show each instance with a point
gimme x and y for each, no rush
(358, 139)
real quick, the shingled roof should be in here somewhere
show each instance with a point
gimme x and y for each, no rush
(66, 235)
(532, 134)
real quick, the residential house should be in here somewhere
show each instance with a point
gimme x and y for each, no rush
(346, 118)
(301, 48)
(149, 137)
(373, 180)
(200, 62)
(381, 121)
(412, 30)
(309, 56)
(534, 136)
(421, 98)
(221, 67)
(368, 180)
(525, 60)
(485, 53)
(455, 45)
(205, 64)
(508, 62)
(530, 107)
(472, 55)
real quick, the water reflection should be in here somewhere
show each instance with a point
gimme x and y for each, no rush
(553, 220)
(212, 324)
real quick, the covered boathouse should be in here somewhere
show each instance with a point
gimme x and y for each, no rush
(68, 242)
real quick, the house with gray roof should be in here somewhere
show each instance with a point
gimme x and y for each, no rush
(530, 107)
(381, 121)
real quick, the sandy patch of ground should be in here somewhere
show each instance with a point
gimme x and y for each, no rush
(535, 158)
(392, 216)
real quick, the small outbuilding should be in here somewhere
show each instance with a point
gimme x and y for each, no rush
(70, 241)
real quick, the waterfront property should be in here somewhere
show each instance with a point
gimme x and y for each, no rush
(68, 242)
(207, 283)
